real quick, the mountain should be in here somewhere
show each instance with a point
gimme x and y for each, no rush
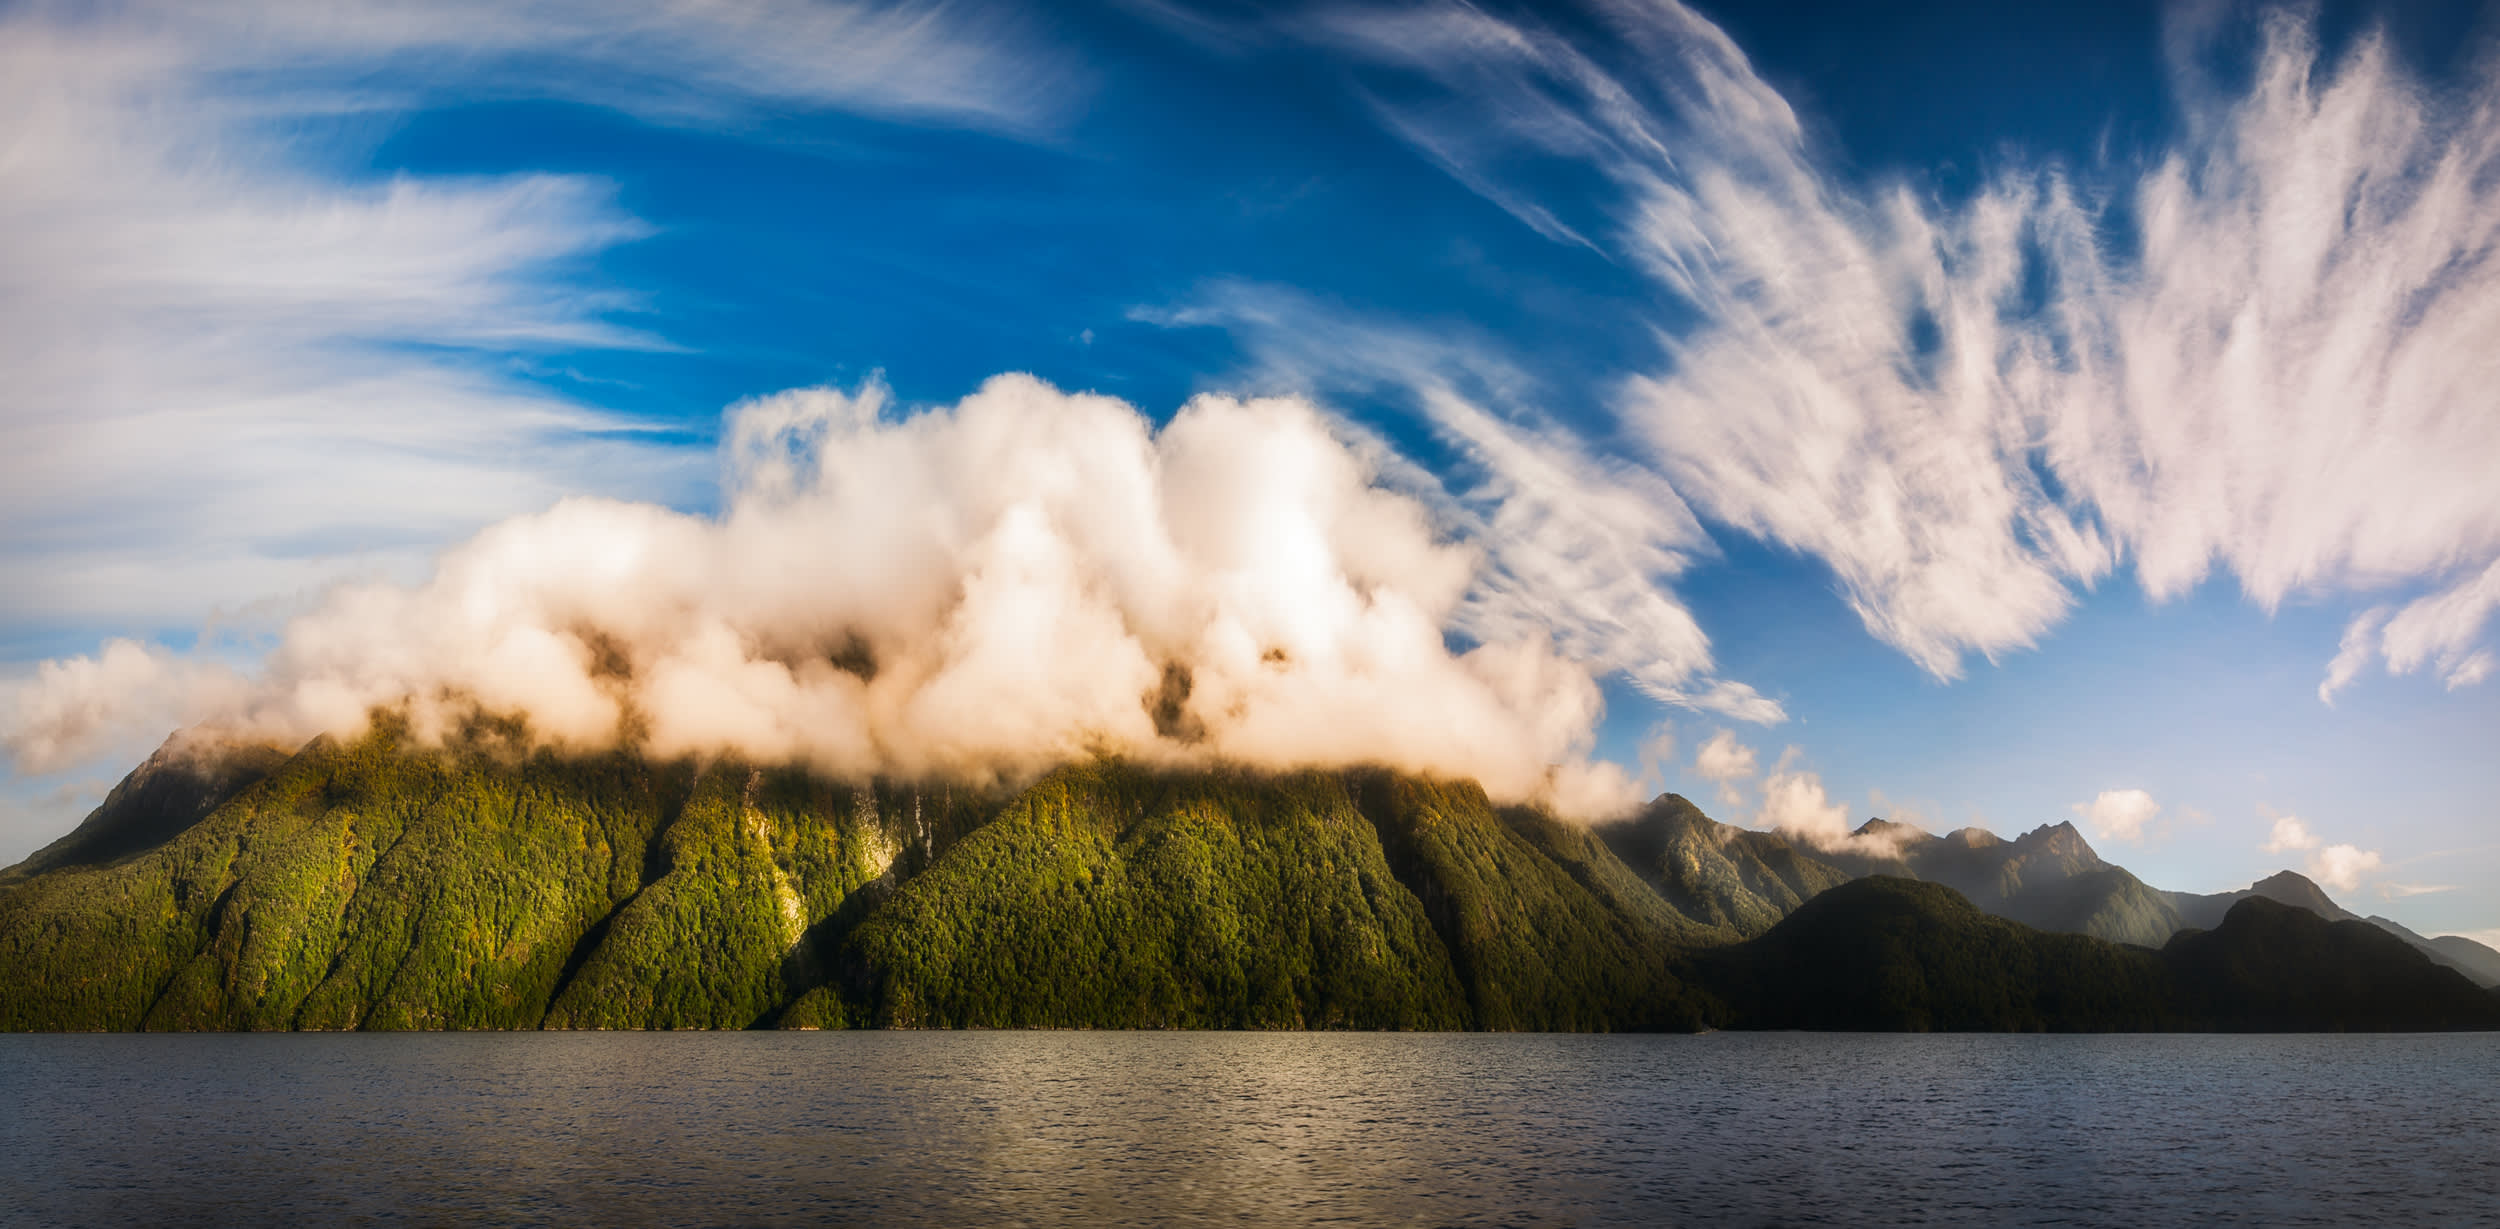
(173, 789)
(2052, 879)
(1890, 954)
(2477, 962)
(1884, 953)
(369, 885)
(2049, 878)
(2275, 967)
(1732, 882)
(365, 885)
(2466, 956)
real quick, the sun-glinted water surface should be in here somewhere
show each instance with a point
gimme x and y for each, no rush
(1094, 1128)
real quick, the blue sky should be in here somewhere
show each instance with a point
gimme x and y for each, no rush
(2026, 405)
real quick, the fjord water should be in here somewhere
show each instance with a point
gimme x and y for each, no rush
(1048, 1128)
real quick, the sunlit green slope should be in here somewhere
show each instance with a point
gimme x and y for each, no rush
(371, 886)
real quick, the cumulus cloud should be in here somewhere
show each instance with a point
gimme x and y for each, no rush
(1970, 408)
(1726, 763)
(2119, 814)
(1793, 802)
(2341, 866)
(1796, 805)
(240, 365)
(1579, 545)
(980, 591)
(2338, 866)
(2289, 834)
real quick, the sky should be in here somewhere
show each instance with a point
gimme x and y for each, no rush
(1970, 414)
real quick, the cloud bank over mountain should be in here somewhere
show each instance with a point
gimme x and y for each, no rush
(973, 592)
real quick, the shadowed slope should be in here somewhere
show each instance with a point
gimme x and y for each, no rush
(178, 786)
(2272, 967)
(1894, 954)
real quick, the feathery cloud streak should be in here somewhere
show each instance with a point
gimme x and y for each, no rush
(236, 370)
(1967, 409)
(1578, 546)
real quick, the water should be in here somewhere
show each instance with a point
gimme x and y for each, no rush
(1245, 1129)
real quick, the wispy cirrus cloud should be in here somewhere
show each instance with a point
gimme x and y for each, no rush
(240, 366)
(2399, 891)
(1970, 408)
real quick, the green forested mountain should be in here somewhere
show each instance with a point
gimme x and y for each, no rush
(369, 885)
(2480, 964)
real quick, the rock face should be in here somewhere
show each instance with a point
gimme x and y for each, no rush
(367, 885)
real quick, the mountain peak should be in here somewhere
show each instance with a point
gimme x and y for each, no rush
(1893, 830)
(2294, 888)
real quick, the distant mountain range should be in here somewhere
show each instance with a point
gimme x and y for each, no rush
(2052, 879)
(369, 885)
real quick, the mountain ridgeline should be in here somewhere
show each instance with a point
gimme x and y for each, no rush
(368, 885)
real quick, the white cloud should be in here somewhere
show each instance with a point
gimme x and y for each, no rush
(239, 368)
(2353, 654)
(2119, 814)
(2338, 866)
(1578, 545)
(2341, 866)
(2289, 834)
(1969, 409)
(1793, 802)
(1728, 764)
(978, 592)
(1795, 805)
(2399, 891)
(1724, 759)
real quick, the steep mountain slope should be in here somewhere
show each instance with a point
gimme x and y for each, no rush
(2275, 967)
(370, 886)
(364, 886)
(173, 789)
(2478, 963)
(1891, 954)
(2466, 956)
(1896, 954)
(2049, 878)
(1734, 881)
(1109, 898)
